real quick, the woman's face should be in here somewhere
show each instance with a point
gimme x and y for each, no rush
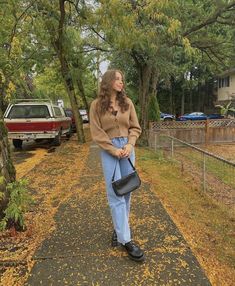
(118, 82)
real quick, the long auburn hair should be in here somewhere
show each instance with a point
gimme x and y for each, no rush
(105, 91)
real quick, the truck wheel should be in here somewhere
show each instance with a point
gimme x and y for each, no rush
(57, 140)
(69, 133)
(17, 143)
(38, 140)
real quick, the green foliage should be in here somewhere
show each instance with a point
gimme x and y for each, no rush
(17, 205)
(49, 84)
(173, 37)
(225, 109)
(153, 109)
(16, 49)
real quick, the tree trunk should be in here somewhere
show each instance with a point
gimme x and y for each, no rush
(153, 90)
(171, 95)
(58, 44)
(144, 85)
(182, 101)
(1, 100)
(72, 96)
(7, 169)
(191, 94)
(199, 96)
(82, 93)
(3, 103)
(66, 74)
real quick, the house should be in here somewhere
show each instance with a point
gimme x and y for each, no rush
(226, 87)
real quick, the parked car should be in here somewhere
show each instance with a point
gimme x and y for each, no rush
(83, 113)
(199, 116)
(69, 113)
(215, 116)
(193, 116)
(37, 120)
(166, 116)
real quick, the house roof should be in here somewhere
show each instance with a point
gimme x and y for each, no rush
(227, 72)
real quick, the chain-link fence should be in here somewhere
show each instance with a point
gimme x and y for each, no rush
(212, 173)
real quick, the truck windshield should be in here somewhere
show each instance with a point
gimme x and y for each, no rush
(29, 111)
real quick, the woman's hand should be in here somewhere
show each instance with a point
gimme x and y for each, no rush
(119, 153)
(127, 149)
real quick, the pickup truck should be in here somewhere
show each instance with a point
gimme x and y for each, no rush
(37, 120)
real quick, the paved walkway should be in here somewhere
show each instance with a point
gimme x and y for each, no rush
(79, 252)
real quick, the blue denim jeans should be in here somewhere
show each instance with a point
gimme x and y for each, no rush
(119, 206)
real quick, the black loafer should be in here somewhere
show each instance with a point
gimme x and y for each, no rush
(114, 241)
(134, 251)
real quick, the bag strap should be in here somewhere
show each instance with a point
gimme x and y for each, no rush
(131, 164)
(116, 167)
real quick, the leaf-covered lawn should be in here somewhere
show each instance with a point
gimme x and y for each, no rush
(207, 225)
(51, 178)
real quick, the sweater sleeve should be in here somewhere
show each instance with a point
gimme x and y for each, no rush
(97, 133)
(134, 129)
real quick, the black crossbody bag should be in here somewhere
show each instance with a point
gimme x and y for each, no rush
(127, 183)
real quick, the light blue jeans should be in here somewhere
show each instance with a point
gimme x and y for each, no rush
(119, 206)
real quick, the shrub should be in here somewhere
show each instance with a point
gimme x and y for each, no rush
(18, 202)
(153, 109)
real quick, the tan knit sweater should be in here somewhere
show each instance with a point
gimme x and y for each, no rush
(107, 126)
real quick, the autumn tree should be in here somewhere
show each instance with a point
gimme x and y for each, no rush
(26, 48)
(12, 30)
(52, 15)
(152, 33)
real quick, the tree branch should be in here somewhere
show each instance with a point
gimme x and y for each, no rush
(210, 20)
(61, 24)
(226, 22)
(13, 32)
(95, 48)
(22, 63)
(204, 45)
(98, 34)
(85, 18)
(221, 59)
(210, 58)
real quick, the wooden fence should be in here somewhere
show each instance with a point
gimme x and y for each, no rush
(195, 132)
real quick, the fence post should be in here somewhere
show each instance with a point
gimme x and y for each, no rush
(206, 131)
(155, 142)
(204, 172)
(172, 147)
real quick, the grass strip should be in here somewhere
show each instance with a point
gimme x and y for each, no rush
(207, 226)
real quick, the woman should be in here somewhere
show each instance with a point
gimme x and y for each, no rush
(114, 127)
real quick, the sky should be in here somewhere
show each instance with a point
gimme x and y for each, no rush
(103, 66)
